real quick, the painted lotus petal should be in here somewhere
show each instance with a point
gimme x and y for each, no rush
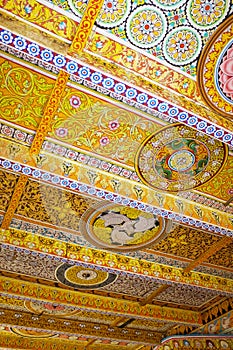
(230, 53)
(223, 77)
(227, 67)
(228, 86)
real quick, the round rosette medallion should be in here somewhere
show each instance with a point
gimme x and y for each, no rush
(178, 158)
(146, 26)
(121, 228)
(80, 277)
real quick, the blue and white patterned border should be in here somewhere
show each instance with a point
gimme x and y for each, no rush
(112, 87)
(99, 194)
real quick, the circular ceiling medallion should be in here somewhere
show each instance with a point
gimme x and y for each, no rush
(215, 70)
(182, 45)
(38, 307)
(146, 26)
(207, 14)
(80, 277)
(121, 228)
(178, 158)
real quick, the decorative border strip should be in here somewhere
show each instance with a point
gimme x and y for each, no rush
(80, 157)
(116, 89)
(80, 187)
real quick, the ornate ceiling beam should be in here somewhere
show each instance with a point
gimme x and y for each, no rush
(113, 261)
(128, 192)
(13, 341)
(49, 113)
(85, 27)
(74, 327)
(212, 250)
(154, 294)
(76, 47)
(94, 302)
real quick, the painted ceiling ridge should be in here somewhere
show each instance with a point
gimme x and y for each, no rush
(94, 302)
(221, 221)
(112, 261)
(51, 146)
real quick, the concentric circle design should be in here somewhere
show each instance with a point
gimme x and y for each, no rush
(112, 14)
(146, 26)
(207, 14)
(182, 45)
(80, 277)
(177, 158)
(122, 228)
(168, 4)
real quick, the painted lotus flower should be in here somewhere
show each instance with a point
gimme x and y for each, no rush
(226, 74)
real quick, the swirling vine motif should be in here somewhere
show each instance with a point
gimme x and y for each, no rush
(85, 26)
(50, 110)
(23, 95)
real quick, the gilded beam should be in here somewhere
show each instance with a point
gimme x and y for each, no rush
(12, 341)
(128, 190)
(74, 327)
(116, 262)
(212, 250)
(118, 307)
(153, 294)
(18, 191)
(49, 113)
(85, 26)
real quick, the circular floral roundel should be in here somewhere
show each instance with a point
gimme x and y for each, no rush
(146, 26)
(49, 308)
(177, 158)
(182, 45)
(207, 14)
(122, 228)
(112, 14)
(80, 277)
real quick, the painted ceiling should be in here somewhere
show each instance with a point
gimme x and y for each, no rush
(116, 174)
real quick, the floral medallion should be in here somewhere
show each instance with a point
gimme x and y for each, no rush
(215, 71)
(80, 277)
(207, 14)
(177, 158)
(112, 14)
(121, 228)
(182, 45)
(146, 26)
(169, 4)
(32, 333)
(38, 307)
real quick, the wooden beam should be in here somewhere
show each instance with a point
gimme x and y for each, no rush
(85, 26)
(156, 292)
(212, 250)
(49, 113)
(18, 191)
